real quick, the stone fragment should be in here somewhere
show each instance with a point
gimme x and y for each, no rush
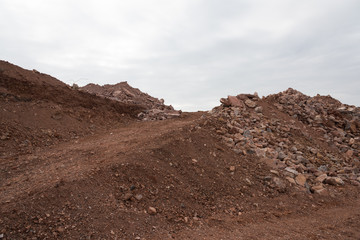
(279, 184)
(336, 181)
(225, 102)
(323, 168)
(318, 189)
(235, 102)
(139, 197)
(318, 119)
(349, 153)
(152, 210)
(321, 178)
(232, 168)
(281, 156)
(353, 127)
(127, 196)
(250, 104)
(291, 170)
(259, 109)
(291, 180)
(300, 180)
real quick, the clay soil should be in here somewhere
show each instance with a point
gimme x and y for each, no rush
(99, 169)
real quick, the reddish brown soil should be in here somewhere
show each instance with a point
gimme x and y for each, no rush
(88, 185)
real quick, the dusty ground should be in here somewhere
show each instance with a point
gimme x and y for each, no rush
(100, 183)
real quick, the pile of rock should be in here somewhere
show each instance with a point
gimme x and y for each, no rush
(310, 141)
(155, 109)
(338, 123)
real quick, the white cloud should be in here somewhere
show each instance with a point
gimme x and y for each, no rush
(190, 53)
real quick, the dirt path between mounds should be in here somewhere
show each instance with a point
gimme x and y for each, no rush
(71, 160)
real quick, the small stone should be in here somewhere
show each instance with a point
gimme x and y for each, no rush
(186, 219)
(300, 180)
(334, 181)
(274, 172)
(127, 196)
(232, 168)
(281, 156)
(301, 159)
(139, 197)
(247, 134)
(321, 178)
(349, 153)
(291, 180)
(259, 109)
(194, 160)
(280, 185)
(353, 127)
(290, 170)
(323, 168)
(318, 118)
(1, 235)
(152, 210)
(318, 189)
(235, 102)
(250, 104)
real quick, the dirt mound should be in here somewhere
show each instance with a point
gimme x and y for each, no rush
(155, 109)
(37, 110)
(282, 167)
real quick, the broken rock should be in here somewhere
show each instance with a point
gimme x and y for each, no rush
(300, 180)
(250, 104)
(335, 181)
(152, 210)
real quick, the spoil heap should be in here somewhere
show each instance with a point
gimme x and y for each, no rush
(155, 109)
(38, 110)
(311, 141)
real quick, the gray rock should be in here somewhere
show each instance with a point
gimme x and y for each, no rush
(139, 197)
(291, 170)
(323, 168)
(247, 134)
(281, 156)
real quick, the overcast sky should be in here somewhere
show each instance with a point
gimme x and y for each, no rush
(190, 52)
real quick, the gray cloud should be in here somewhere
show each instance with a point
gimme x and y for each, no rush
(190, 53)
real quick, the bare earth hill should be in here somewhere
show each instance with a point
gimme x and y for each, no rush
(74, 165)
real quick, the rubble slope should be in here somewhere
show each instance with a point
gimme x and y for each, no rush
(155, 109)
(39, 110)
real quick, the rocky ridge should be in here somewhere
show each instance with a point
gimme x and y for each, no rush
(310, 141)
(155, 109)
